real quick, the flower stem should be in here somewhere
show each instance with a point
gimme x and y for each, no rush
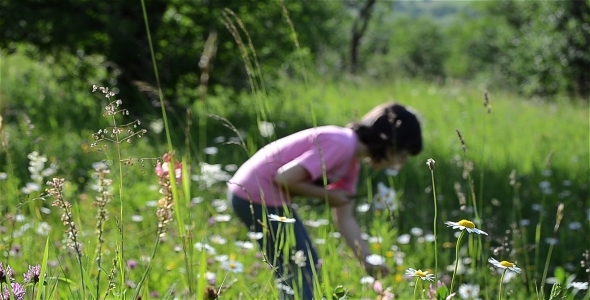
(416, 288)
(435, 217)
(501, 281)
(457, 247)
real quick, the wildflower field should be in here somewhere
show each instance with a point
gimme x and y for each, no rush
(103, 202)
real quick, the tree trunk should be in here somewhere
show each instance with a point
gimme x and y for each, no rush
(359, 27)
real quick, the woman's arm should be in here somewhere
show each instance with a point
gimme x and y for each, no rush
(296, 180)
(351, 231)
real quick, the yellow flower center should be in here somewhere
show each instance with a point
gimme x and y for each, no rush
(506, 264)
(282, 218)
(421, 273)
(466, 223)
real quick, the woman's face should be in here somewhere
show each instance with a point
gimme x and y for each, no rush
(394, 160)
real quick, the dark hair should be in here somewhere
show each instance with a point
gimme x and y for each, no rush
(389, 126)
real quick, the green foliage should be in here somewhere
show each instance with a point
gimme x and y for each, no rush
(512, 169)
(116, 31)
(448, 108)
(403, 46)
(419, 47)
(538, 48)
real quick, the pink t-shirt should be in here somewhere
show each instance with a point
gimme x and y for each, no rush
(331, 147)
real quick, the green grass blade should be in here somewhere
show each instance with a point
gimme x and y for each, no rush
(202, 281)
(43, 268)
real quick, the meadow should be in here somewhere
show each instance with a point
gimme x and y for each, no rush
(116, 228)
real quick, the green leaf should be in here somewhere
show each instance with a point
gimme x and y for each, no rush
(339, 292)
(560, 274)
(88, 281)
(201, 282)
(442, 293)
(43, 268)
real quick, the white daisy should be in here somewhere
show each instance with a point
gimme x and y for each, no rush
(206, 247)
(287, 289)
(367, 280)
(578, 285)
(266, 129)
(211, 150)
(299, 258)
(222, 218)
(335, 234)
(320, 241)
(217, 239)
(465, 225)
(424, 275)
(152, 203)
(316, 223)
(375, 259)
(232, 266)
(375, 239)
(220, 139)
(220, 205)
(273, 217)
(363, 207)
(384, 198)
(196, 200)
(245, 245)
(416, 231)
(210, 277)
(504, 265)
(221, 258)
(469, 291)
(43, 229)
(403, 239)
(391, 172)
(255, 235)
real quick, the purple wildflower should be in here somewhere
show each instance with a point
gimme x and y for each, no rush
(131, 264)
(130, 284)
(33, 274)
(18, 292)
(6, 274)
(154, 294)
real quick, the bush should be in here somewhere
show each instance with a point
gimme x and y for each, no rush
(417, 48)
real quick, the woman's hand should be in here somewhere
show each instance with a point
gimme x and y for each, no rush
(337, 198)
(377, 271)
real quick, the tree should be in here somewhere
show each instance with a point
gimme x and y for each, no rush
(179, 30)
(359, 27)
(540, 47)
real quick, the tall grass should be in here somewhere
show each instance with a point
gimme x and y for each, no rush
(173, 266)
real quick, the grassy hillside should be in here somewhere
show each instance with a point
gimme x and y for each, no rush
(544, 144)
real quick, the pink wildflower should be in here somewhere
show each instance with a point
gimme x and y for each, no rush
(383, 294)
(163, 169)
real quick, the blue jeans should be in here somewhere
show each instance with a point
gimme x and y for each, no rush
(286, 271)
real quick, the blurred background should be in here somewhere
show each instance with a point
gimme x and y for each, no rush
(274, 62)
(535, 48)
